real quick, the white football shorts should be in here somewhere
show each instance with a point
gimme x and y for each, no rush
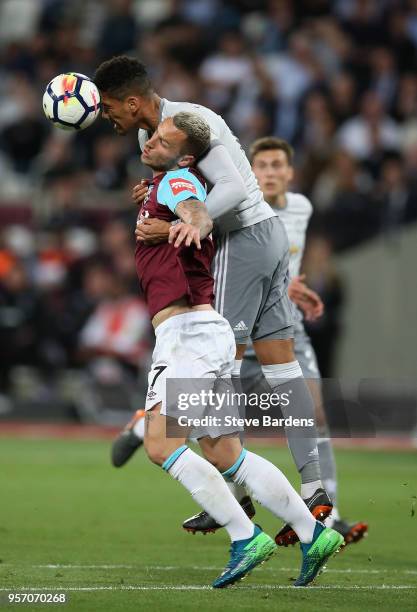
(194, 345)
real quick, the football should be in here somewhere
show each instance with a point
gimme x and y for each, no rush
(71, 101)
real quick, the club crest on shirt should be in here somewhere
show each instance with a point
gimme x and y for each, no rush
(178, 185)
(142, 216)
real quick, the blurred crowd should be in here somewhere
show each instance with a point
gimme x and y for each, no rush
(337, 78)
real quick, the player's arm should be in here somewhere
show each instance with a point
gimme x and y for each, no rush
(228, 192)
(305, 298)
(228, 189)
(152, 231)
(195, 224)
(148, 231)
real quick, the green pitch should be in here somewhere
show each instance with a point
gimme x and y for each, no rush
(112, 540)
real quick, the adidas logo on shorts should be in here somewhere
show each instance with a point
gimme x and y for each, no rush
(241, 326)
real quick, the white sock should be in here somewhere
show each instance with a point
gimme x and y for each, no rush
(237, 365)
(309, 488)
(268, 485)
(289, 370)
(237, 491)
(139, 428)
(210, 491)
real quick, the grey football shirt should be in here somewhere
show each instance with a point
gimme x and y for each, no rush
(248, 211)
(295, 216)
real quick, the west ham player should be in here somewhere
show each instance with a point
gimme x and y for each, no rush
(194, 341)
(251, 265)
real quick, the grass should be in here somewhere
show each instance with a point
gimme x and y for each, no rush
(68, 521)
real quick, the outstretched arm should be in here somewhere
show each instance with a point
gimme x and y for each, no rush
(195, 224)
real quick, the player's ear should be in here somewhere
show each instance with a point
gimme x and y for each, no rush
(186, 160)
(290, 173)
(133, 104)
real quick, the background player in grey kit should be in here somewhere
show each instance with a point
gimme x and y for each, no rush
(251, 265)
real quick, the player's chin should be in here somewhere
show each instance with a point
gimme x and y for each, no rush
(145, 159)
(270, 193)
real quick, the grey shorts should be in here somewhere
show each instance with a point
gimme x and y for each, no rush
(251, 281)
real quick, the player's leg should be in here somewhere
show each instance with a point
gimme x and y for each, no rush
(244, 553)
(247, 283)
(306, 357)
(253, 379)
(284, 375)
(251, 274)
(202, 522)
(203, 350)
(262, 479)
(236, 272)
(285, 378)
(272, 337)
(304, 351)
(250, 545)
(268, 485)
(180, 351)
(129, 440)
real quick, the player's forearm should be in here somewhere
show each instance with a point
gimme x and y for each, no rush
(224, 197)
(229, 189)
(195, 213)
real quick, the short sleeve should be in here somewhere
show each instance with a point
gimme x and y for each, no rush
(180, 185)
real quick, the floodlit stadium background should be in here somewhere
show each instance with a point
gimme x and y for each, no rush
(335, 78)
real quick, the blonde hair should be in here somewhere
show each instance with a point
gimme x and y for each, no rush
(196, 129)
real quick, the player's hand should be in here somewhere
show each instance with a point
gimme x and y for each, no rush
(152, 231)
(139, 192)
(306, 299)
(184, 233)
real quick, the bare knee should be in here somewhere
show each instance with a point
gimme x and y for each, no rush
(222, 454)
(214, 458)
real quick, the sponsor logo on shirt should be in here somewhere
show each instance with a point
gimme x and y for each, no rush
(151, 394)
(178, 185)
(142, 216)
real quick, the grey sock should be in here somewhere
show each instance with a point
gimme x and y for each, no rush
(302, 441)
(310, 471)
(328, 467)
